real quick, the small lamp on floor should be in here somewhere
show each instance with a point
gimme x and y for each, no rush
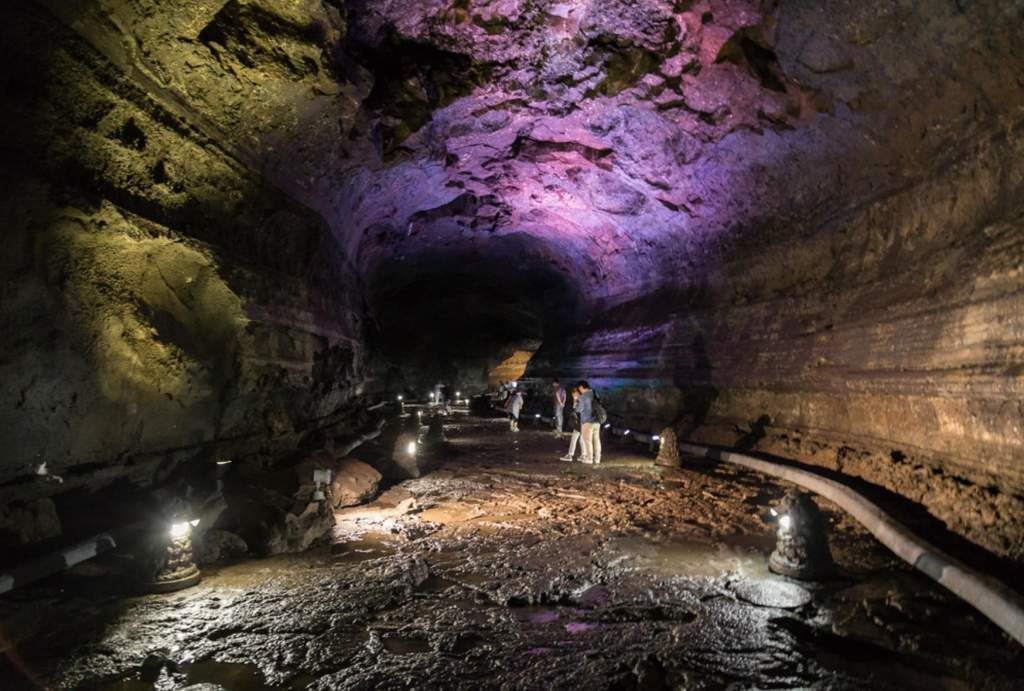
(801, 550)
(177, 569)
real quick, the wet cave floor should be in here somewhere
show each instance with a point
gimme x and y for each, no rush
(505, 568)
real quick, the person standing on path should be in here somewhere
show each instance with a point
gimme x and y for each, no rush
(590, 427)
(514, 406)
(559, 402)
(574, 422)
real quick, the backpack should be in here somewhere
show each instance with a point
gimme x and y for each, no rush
(600, 414)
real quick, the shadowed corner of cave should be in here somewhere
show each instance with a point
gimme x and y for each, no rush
(278, 278)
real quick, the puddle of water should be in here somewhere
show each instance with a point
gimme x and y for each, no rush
(231, 675)
(466, 643)
(474, 578)
(741, 554)
(435, 584)
(579, 627)
(400, 645)
(372, 545)
(772, 592)
(535, 615)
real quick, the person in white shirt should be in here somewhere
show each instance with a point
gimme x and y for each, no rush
(515, 405)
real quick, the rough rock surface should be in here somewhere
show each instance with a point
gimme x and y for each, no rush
(163, 303)
(217, 545)
(514, 570)
(22, 523)
(794, 227)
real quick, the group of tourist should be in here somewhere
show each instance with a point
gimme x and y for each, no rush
(586, 417)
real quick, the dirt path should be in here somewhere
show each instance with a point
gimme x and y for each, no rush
(508, 569)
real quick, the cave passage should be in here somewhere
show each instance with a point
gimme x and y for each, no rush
(276, 273)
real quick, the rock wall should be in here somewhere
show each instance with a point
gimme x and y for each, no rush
(790, 226)
(162, 301)
(887, 346)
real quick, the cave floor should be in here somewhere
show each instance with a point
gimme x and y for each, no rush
(505, 568)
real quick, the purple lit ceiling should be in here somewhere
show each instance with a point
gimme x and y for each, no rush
(576, 153)
(633, 142)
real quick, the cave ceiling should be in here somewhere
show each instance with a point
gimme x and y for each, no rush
(624, 146)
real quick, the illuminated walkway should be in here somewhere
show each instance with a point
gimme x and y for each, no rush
(508, 569)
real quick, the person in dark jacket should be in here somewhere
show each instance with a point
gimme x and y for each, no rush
(574, 421)
(590, 427)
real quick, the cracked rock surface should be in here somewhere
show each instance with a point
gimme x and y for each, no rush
(508, 569)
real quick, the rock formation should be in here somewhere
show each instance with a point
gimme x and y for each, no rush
(790, 227)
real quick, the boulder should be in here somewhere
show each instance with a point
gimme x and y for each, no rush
(352, 481)
(216, 545)
(299, 531)
(25, 522)
(271, 522)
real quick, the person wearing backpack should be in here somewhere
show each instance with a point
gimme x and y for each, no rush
(590, 411)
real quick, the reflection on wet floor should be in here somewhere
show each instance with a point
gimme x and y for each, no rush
(370, 545)
(508, 569)
(678, 558)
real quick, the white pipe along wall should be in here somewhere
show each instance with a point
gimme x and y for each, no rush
(1000, 604)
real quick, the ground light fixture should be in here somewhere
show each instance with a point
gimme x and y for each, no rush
(801, 549)
(176, 565)
(410, 448)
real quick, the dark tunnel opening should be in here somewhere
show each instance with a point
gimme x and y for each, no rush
(452, 316)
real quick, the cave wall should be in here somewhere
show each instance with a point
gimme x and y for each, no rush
(886, 346)
(163, 300)
(789, 226)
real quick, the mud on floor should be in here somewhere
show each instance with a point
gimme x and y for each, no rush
(508, 569)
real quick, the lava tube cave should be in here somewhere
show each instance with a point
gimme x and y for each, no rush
(512, 344)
